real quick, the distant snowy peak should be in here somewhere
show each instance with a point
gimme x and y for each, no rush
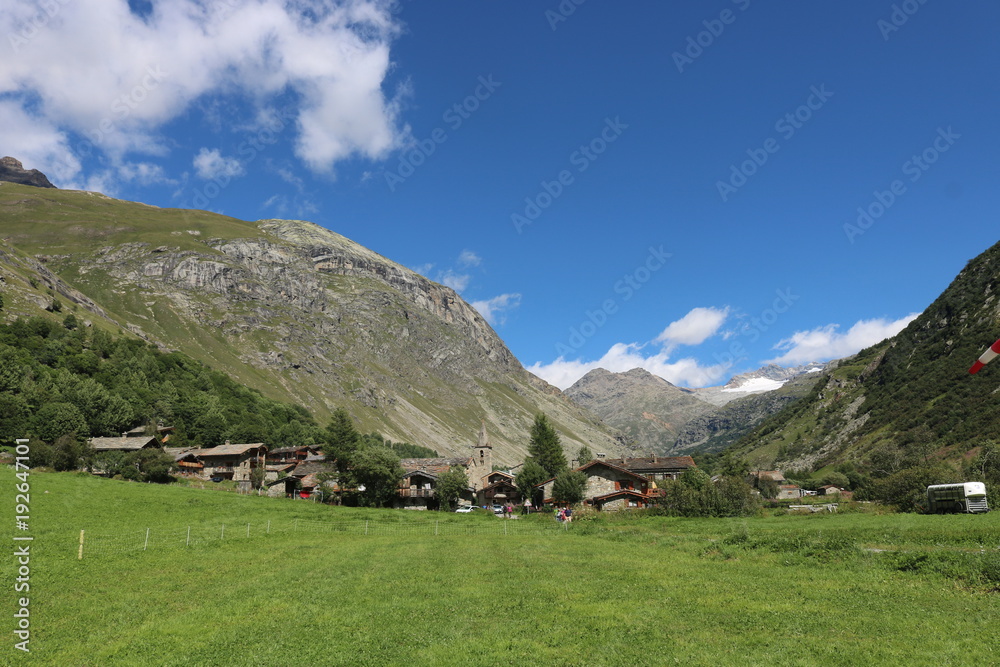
(768, 378)
(754, 385)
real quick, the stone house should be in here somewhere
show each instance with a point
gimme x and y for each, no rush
(417, 486)
(229, 461)
(788, 492)
(655, 468)
(185, 459)
(124, 443)
(499, 488)
(608, 486)
(292, 454)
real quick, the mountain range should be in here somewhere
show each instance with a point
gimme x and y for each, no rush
(285, 307)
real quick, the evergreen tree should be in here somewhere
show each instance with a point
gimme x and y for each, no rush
(545, 447)
(342, 439)
(528, 477)
(584, 456)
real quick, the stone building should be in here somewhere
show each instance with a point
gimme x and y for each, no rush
(229, 461)
(608, 487)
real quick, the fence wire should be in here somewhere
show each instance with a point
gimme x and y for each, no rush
(94, 545)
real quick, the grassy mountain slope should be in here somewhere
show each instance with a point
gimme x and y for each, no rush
(286, 307)
(906, 401)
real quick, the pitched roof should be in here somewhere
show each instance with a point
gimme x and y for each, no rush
(607, 464)
(123, 444)
(620, 492)
(437, 466)
(230, 450)
(653, 463)
(312, 468)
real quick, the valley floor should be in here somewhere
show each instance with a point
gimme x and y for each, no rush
(803, 590)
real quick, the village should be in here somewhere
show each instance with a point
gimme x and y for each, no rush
(305, 473)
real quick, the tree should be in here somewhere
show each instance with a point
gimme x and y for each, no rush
(545, 447)
(568, 487)
(342, 439)
(584, 455)
(530, 476)
(153, 465)
(377, 472)
(57, 419)
(450, 486)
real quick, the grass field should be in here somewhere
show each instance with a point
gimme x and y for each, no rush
(848, 589)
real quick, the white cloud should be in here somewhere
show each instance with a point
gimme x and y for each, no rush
(826, 342)
(623, 357)
(494, 310)
(145, 173)
(96, 69)
(456, 281)
(469, 258)
(694, 328)
(38, 144)
(209, 164)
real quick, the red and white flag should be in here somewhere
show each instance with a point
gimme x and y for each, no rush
(986, 357)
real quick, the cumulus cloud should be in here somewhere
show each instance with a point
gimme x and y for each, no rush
(827, 342)
(494, 310)
(454, 280)
(623, 357)
(209, 164)
(469, 258)
(694, 328)
(95, 74)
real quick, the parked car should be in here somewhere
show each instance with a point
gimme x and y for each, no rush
(497, 509)
(468, 509)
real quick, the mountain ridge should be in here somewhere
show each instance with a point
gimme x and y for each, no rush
(290, 308)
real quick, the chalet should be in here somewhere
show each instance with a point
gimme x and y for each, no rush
(788, 491)
(124, 443)
(757, 476)
(185, 459)
(416, 490)
(293, 454)
(162, 432)
(655, 468)
(229, 461)
(498, 488)
(608, 486)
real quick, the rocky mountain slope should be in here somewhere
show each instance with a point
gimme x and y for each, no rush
(660, 418)
(12, 171)
(720, 428)
(649, 410)
(287, 307)
(907, 401)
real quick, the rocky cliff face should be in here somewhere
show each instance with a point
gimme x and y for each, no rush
(12, 171)
(301, 313)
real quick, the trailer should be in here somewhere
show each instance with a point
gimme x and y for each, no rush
(968, 497)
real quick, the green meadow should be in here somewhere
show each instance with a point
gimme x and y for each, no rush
(308, 586)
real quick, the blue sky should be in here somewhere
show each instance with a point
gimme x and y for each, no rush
(647, 184)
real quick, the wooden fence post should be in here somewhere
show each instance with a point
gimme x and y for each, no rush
(147, 540)
(80, 554)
